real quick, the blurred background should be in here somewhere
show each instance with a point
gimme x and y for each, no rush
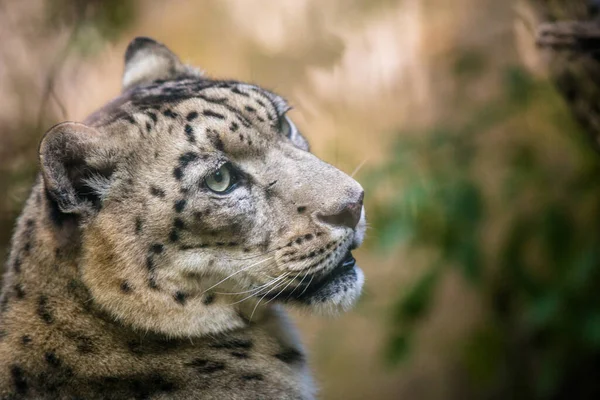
(472, 142)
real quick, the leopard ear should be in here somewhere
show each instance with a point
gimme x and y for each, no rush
(146, 60)
(76, 167)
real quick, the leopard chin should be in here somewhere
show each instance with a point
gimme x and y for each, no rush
(338, 291)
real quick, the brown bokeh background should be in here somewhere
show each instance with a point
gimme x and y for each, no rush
(357, 72)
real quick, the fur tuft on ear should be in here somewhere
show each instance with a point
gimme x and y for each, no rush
(146, 60)
(76, 167)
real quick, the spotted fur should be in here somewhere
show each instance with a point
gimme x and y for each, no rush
(129, 278)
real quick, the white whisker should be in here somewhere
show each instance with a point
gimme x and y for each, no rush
(261, 299)
(299, 284)
(359, 167)
(257, 291)
(237, 272)
(309, 282)
(283, 290)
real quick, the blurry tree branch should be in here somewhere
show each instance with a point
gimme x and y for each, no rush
(577, 36)
(569, 32)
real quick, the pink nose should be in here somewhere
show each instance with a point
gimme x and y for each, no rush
(348, 216)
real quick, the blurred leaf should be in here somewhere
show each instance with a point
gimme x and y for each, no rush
(397, 349)
(418, 299)
(591, 329)
(519, 86)
(469, 64)
(484, 354)
(544, 309)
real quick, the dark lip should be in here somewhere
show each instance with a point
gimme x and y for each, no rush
(303, 293)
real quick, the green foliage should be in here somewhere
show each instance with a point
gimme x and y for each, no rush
(538, 277)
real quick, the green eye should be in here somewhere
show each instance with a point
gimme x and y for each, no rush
(222, 180)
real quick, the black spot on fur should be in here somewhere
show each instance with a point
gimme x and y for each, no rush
(85, 345)
(308, 236)
(178, 223)
(240, 354)
(250, 109)
(187, 158)
(192, 116)
(129, 119)
(180, 205)
(134, 386)
(216, 140)
(180, 297)
(301, 209)
(299, 240)
(233, 344)
(157, 248)
(213, 114)
(173, 235)
(125, 287)
(152, 283)
(154, 191)
(134, 346)
(17, 265)
(290, 356)
(152, 116)
(150, 263)
(19, 292)
(238, 91)
(234, 126)
(77, 290)
(138, 225)
(178, 173)
(208, 299)
(52, 359)
(44, 311)
(189, 132)
(195, 246)
(18, 378)
(25, 339)
(148, 126)
(252, 377)
(206, 366)
(170, 114)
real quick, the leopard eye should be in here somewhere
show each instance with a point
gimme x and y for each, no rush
(287, 127)
(222, 180)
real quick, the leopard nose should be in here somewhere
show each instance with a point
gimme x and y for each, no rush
(348, 215)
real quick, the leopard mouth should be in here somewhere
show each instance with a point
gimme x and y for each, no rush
(344, 277)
